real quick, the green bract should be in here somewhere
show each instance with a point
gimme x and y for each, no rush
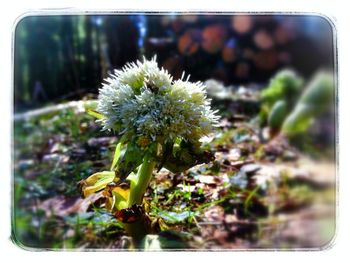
(143, 102)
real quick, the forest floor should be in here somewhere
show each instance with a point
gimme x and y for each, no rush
(255, 195)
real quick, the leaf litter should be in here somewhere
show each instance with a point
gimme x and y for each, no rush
(254, 195)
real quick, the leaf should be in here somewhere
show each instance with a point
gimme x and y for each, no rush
(215, 168)
(118, 148)
(117, 152)
(286, 84)
(167, 150)
(130, 214)
(96, 182)
(240, 137)
(128, 161)
(116, 197)
(277, 114)
(121, 196)
(314, 101)
(61, 205)
(94, 113)
(298, 121)
(173, 217)
(319, 92)
(120, 192)
(239, 180)
(185, 156)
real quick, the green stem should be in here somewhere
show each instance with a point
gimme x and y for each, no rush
(139, 187)
(139, 229)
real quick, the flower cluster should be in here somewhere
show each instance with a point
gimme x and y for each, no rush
(144, 102)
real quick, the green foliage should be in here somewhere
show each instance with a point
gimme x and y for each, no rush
(184, 202)
(315, 100)
(319, 93)
(97, 182)
(94, 113)
(130, 158)
(285, 85)
(186, 155)
(279, 97)
(277, 114)
(174, 217)
(285, 110)
(117, 152)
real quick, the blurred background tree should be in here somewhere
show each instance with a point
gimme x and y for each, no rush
(60, 58)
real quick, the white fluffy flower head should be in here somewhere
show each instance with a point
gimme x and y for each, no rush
(144, 102)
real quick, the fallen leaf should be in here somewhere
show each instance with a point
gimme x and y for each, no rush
(63, 206)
